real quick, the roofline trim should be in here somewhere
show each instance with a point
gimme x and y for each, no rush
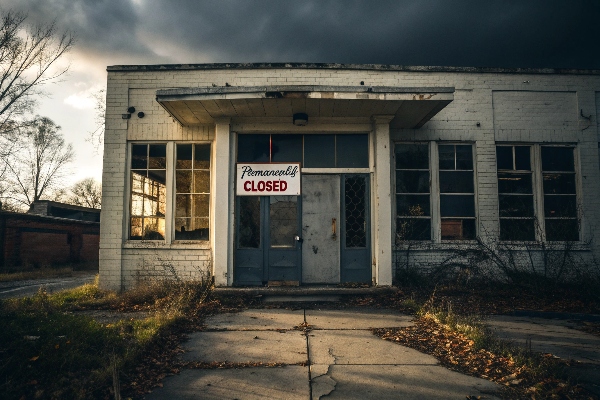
(367, 67)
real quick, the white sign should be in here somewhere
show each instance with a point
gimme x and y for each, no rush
(268, 179)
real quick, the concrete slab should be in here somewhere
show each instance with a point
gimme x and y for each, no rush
(357, 318)
(290, 382)
(360, 347)
(398, 382)
(247, 346)
(257, 320)
(548, 336)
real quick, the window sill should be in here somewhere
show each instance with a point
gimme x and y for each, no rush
(161, 244)
(447, 245)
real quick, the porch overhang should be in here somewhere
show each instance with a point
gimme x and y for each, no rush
(411, 107)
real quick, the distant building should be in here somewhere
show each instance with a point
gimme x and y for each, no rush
(50, 234)
(326, 173)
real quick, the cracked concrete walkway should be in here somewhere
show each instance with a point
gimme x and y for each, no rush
(337, 357)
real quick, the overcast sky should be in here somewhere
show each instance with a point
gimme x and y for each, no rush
(502, 33)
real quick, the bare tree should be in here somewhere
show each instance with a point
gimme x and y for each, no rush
(26, 57)
(38, 167)
(87, 193)
(96, 137)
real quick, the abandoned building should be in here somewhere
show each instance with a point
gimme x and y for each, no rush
(301, 174)
(50, 234)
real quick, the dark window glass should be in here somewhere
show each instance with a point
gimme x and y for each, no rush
(139, 156)
(516, 206)
(286, 148)
(412, 181)
(413, 229)
(283, 220)
(202, 156)
(523, 158)
(517, 229)
(562, 229)
(560, 206)
(254, 148)
(157, 156)
(456, 182)
(504, 157)
(457, 205)
(249, 225)
(352, 151)
(514, 183)
(412, 156)
(184, 156)
(464, 157)
(355, 210)
(557, 158)
(319, 151)
(458, 229)
(559, 184)
(446, 155)
(412, 205)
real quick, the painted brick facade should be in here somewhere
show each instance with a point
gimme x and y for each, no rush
(489, 107)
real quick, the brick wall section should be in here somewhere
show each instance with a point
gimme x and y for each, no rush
(509, 107)
(36, 241)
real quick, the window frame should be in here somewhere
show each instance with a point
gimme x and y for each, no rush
(435, 201)
(169, 239)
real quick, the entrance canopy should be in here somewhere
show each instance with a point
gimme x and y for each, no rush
(412, 107)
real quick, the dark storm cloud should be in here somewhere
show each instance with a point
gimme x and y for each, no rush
(500, 33)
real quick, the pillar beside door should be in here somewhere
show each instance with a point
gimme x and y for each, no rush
(220, 202)
(382, 202)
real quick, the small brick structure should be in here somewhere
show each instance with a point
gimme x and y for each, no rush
(34, 240)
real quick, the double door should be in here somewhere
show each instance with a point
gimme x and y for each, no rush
(320, 237)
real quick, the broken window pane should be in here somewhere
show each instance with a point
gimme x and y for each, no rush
(412, 205)
(514, 183)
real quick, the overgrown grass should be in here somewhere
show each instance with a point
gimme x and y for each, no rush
(48, 351)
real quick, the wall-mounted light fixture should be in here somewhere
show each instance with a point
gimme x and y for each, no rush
(131, 110)
(300, 119)
(141, 114)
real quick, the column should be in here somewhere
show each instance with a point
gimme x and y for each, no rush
(382, 250)
(220, 202)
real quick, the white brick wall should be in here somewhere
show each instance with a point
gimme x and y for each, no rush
(508, 107)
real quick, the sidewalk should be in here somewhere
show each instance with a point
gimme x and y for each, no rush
(338, 358)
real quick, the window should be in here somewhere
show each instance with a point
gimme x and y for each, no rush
(150, 194)
(413, 209)
(148, 191)
(192, 189)
(560, 193)
(457, 192)
(313, 151)
(515, 193)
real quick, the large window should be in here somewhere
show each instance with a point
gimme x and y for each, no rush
(413, 206)
(560, 194)
(457, 192)
(148, 191)
(515, 193)
(192, 190)
(453, 216)
(150, 195)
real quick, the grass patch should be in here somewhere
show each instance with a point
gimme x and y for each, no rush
(49, 351)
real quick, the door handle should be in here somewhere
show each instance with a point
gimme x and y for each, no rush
(333, 229)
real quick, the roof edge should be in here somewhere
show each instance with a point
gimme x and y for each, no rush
(367, 67)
